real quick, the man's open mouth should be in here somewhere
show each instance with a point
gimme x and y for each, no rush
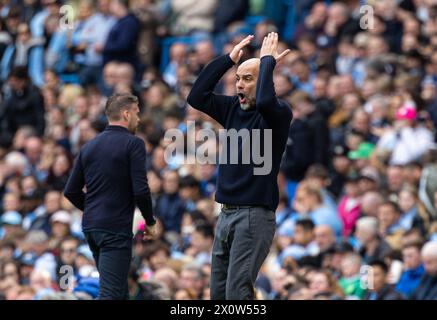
(242, 98)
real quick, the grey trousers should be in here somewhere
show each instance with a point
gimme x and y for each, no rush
(242, 241)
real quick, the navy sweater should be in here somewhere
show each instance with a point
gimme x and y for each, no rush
(121, 44)
(236, 183)
(112, 167)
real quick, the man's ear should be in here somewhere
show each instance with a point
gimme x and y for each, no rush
(125, 114)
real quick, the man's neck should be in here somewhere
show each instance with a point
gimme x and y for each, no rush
(119, 124)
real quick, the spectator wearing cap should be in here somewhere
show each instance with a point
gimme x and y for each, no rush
(413, 269)
(27, 264)
(427, 289)
(368, 180)
(361, 156)
(37, 242)
(381, 289)
(84, 257)
(60, 223)
(332, 257)
(23, 105)
(11, 221)
(372, 246)
(409, 140)
(341, 165)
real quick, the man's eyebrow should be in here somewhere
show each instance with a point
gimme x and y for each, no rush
(245, 75)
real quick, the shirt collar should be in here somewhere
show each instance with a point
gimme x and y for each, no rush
(117, 128)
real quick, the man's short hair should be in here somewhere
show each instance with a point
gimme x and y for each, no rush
(118, 102)
(124, 3)
(306, 224)
(19, 72)
(205, 229)
(393, 205)
(381, 264)
(413, 244)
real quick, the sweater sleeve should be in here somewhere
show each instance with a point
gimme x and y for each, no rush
(273, 111)
(202, 96)
(74, 188)
(140, 185)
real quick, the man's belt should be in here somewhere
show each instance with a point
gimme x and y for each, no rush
(234, 207)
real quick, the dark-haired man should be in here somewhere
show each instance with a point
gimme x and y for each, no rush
(112, 169)
(377, 284)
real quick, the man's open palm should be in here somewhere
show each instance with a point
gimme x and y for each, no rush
(270, 47)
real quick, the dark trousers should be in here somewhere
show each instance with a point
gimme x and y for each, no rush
(113, 254)
(242, 241)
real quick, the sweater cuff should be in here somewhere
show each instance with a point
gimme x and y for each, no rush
(229, 61)
(270, 59)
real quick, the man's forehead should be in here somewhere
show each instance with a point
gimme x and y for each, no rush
(247, 71)
(250, 67)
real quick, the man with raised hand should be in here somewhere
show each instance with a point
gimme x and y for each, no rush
(246, 224)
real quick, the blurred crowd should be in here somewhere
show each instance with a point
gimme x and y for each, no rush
(357, 217)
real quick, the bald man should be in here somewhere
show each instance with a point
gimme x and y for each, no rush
(246, 224)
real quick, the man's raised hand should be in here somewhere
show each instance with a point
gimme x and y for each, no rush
(237, 51)
(270, 47)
